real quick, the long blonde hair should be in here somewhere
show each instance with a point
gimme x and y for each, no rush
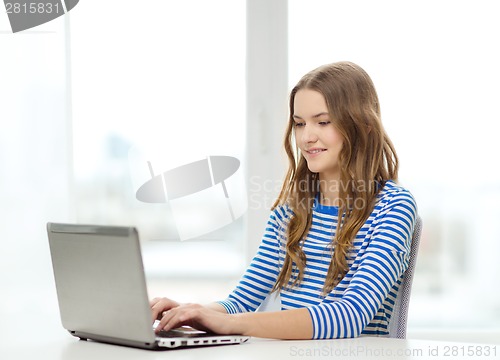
(367, 160)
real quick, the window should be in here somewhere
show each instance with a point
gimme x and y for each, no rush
(161, 88)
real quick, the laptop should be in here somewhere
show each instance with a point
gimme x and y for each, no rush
(101, 289)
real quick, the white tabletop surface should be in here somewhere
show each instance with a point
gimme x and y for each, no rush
(69, 348)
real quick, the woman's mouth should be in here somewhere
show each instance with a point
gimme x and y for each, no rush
(315, 151)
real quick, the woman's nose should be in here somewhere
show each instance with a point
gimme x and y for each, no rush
(309, 135)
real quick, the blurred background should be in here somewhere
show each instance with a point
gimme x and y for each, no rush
(87, 99)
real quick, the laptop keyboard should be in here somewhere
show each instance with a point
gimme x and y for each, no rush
(181, 333)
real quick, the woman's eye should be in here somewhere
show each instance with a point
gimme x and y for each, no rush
(299, 124)
(324, 122)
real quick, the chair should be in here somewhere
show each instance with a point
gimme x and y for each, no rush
(398, 322)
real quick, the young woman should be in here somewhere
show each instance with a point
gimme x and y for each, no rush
(338, 238)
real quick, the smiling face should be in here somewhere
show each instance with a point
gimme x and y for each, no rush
(318, 139)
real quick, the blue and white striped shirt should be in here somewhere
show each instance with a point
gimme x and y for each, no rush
(362, 302)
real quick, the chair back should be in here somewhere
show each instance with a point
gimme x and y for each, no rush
(398, 322)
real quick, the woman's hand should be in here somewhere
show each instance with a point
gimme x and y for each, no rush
(199, 317)
(159, 305)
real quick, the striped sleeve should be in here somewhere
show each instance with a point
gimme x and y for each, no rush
(262, 272)
(379, 268)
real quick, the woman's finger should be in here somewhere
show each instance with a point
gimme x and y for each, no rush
(179, 316)
(166, 320)
(161, 304)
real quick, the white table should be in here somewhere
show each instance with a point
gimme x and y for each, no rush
(69, 348)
